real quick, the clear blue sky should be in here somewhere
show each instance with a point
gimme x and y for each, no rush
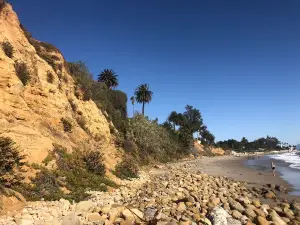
(237, 61)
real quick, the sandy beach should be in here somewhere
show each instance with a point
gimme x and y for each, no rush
(234, 168)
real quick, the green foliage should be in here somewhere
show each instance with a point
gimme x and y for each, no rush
(206, 138)
(143, 95)
(8, 49)
(127, 169)
(10, 162)
(78, 171)
(188, 122)
(108, 77)
(268, 143)
(73, 105)
(50, 77)
(114, 102)
(94, 163)
(154, 141)
(22, 72)
(67, 124)
(82, 123)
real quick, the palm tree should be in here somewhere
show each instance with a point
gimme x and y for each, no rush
(143, 95)
(132, 99)
(108, 77)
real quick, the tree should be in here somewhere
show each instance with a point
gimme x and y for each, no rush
(108, 77)
(173, 118)
(143, 95)
(132, 99)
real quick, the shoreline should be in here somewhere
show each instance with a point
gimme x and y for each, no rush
(234, 168)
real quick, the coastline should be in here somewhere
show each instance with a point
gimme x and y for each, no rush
(235, 168)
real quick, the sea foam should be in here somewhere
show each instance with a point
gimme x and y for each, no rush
(293, 158)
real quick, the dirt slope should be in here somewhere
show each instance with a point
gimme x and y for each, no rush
(31, 115)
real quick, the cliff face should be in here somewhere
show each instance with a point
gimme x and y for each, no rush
(31, 114)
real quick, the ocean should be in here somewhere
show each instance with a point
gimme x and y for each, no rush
(287, 165)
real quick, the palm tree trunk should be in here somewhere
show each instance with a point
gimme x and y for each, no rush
(143, 109)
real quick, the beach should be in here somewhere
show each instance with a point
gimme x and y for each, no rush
(244, 169)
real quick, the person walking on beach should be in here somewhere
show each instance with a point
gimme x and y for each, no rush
(273, 166)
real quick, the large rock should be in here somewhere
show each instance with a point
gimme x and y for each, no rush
(71, 219)
(236, 214)
(236, 205)
(181, 207)
(219, 216)
(276, 219)
(262, 221)
(270, 195)
(85, 206)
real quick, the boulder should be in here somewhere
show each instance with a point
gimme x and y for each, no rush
(270, 195)
(71, 219)
(262, 221)
(250, 213)
(236, 214)
(236, 205)
(219, 216)
(85, 206)
(276, 219)
(181, 207)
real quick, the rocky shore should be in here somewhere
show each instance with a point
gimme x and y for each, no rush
(173, 194)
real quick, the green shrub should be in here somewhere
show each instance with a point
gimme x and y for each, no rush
(65, 79)
(8, 49)
(22, 72)
(154, 141)
(94, 162)
(114, 102)
(10, 163)
(127, 169)
(78, 171)
(50, 77)
(67, 124)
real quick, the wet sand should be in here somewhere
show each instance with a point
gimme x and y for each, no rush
(234, 168)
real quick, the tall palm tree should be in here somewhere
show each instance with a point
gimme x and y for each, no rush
(173, 117)
(108, 77)
(143, 95)
(132, 99)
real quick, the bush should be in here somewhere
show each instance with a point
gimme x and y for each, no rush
(112, 101)
(8, 49)
(94, 163)
(22, 72)
(73, 105)
(127, 169)
(50, 77)
(154, 141)
(67, 123)
(10, 162)
(77, 171)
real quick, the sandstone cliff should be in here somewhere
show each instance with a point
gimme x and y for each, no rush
(31, 114)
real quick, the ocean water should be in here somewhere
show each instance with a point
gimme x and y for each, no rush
(292, 158)
(287, 165)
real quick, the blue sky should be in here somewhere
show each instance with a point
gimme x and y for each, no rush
(237, 61)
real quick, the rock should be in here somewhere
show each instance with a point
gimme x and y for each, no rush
(137, 213)
(250, 213)
(236, 214)
(287, 220)
(128, 215)
(71, 219)
(150, 213)
(219, 216)
(236, 205)
(24, 221)
(215, 201)
(270, 195)
(126, 222)
(181, 207)
(256, 203)
(205, 221)
(280, 188)
(259, 212)
(276, 219)
(92, 217)
(84, 206)
(262, 221)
